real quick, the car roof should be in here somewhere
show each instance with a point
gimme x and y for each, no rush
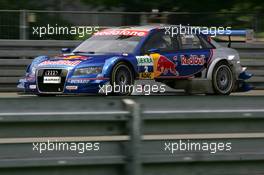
(142, 28)
(145, 27)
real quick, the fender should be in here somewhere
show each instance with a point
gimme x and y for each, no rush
(111, 62)
(39, 59)
(35, 62)
(209, 74)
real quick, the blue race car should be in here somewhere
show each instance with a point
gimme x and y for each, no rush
(119, 56)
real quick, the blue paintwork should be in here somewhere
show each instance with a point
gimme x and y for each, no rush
(244, 86)
(106, 61)
(90, 83)
(245, 75)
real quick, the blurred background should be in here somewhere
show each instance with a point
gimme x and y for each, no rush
(18, 17)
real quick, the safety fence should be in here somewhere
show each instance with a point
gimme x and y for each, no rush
(143, 136)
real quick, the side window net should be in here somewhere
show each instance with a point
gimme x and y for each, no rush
(190, 42)
(159, 41)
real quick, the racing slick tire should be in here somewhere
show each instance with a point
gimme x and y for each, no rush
(122, 79)
(222, 79)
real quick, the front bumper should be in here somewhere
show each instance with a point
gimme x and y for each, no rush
(242, 85)
(71, 86)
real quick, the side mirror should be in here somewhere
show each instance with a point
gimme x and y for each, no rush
(65, 50)
(154, 51)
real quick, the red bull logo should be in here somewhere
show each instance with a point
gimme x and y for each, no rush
(164, 65)
(72, 57)
(193, 60)
(77, 57)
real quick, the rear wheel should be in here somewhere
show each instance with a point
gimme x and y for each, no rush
(122, 79)
(223, 80)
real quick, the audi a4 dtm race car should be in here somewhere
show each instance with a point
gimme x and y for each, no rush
(119, 56)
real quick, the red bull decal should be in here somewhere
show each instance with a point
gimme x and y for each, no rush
(164, 65)
(192, 60)
(60, 62)
(72, 57)
(79, 57)
(122, 32)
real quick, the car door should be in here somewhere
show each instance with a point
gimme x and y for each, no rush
(161, 48)
(193, 55)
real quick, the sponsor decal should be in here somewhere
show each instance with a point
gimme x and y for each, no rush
(71, 57)
(71, 87)
(85, 80)
(146, 75)
(192, 60)
(79, 57)
(52, 80)
(32, 86)
(144, 60)
(145, 64)
(60, 62)
(77, 81)
(165, 66)
(122, 32)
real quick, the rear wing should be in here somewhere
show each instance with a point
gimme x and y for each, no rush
(233, 36)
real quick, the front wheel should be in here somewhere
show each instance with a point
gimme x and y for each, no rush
(122, 79)
(223, 80)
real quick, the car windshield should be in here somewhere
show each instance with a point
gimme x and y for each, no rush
(109, 44)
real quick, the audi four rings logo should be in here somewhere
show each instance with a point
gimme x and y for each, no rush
(51, 72)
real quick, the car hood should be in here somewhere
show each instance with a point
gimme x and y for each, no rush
(76, 60)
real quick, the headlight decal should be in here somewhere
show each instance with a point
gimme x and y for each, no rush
(87, 70)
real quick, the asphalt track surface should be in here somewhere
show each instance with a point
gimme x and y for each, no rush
(175, 100)
(168, 93)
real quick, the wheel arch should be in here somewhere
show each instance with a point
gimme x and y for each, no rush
(209, 74)
(111, 63)
(129, 64)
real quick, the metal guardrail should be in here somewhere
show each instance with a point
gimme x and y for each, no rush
(132, 135)
(12, 67)
(17, 24)
(32, 48)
